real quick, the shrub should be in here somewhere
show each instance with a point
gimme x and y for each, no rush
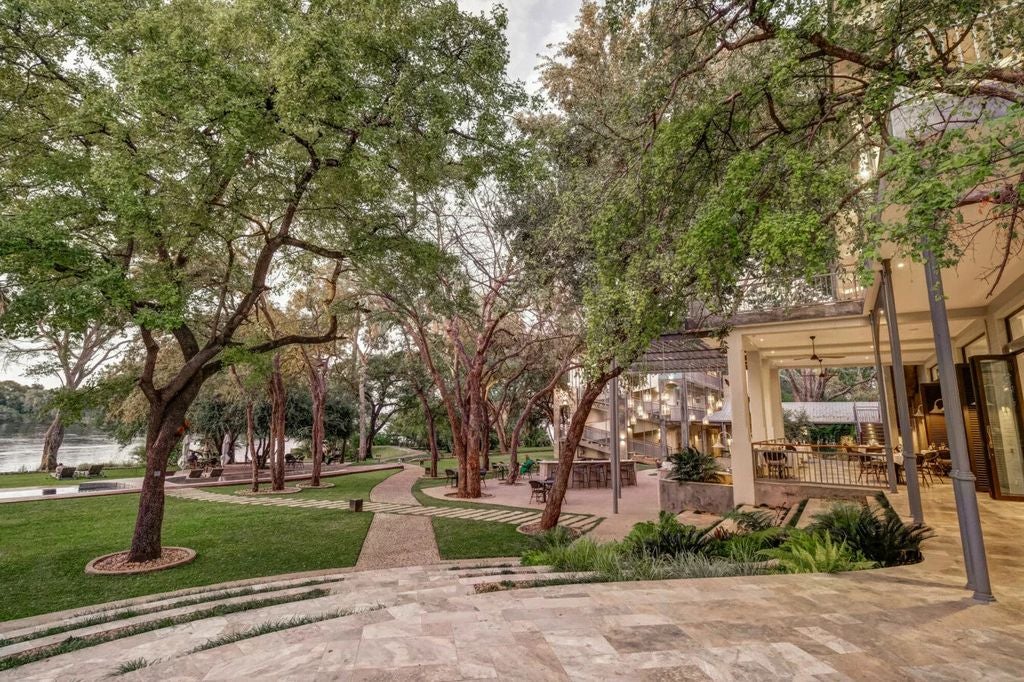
(804, 552)
(751, 520)
(877, 533)
(580, 556)
(546, 542)
(665, 537)
(747, 547)
(693, 465)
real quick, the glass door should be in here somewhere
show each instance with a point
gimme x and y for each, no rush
(997, 378)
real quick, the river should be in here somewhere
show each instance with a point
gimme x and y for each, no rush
(21, 447)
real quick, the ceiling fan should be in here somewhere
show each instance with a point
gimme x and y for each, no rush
(820, 359)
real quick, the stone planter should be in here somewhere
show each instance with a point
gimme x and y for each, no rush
(678, 496)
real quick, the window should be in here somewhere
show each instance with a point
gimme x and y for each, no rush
(933, 373)
(1015, 325)
(978, 346)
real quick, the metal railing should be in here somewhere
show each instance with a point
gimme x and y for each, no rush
(639, 447)
(832, 465)
(764, 293)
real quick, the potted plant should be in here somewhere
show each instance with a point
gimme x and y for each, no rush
(693, 465)
(694, 483)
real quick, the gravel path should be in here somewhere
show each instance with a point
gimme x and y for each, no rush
(398, 540)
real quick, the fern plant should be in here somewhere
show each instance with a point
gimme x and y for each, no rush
(665, 537)
(693, 465)
(804, 552)
(876, 532)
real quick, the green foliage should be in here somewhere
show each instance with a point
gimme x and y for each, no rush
(665, 537)
(21, 404)
(877, 533)
(805, 552)
(130, 666)
(693, 465)
(751, 520)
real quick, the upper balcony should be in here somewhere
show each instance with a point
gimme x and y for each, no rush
(838, 293)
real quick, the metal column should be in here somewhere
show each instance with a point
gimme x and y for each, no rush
(902, 403)
(883, 404)
(967, 512)
(613, 437)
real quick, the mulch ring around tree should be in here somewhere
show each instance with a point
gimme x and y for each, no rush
(310, 486)
(268, 491)
(533, 528)
(118, 564)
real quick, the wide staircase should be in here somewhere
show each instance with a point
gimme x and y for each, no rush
(94, 642)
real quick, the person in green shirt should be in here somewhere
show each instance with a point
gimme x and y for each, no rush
(526, 466)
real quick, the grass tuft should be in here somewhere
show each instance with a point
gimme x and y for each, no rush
(130, 666)
(275, 626)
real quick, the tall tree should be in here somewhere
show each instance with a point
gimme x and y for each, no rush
(158, 160)
(73, 357)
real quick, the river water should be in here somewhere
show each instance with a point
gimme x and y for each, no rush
(21, 448)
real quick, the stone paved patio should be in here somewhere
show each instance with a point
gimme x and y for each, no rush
(912, 622)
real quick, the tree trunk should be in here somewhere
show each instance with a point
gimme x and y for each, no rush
(318, 392)
(165, 427)
(485, 439)
(52, 442)
(250, 445)
(553, 507)
(360, 361)
(277, 425)
(428, 416)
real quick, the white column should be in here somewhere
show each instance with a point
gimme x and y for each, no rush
(756, 381)
(776, 423)
(741, 451)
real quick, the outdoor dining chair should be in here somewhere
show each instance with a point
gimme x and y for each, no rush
(538, 491)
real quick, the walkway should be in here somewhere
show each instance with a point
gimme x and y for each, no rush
(395, 539)
(905, 623)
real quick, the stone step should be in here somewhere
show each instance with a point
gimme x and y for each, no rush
(524, 578)
(156, 615)
(790, 514)
(814, 506)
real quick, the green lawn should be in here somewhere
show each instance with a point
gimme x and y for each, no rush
(464, 539)
(345, 487)
(39, 478)
(44, 546)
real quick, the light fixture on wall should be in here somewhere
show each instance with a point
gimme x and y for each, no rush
(919, 412)
(937, 407)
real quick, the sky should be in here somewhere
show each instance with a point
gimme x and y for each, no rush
(533, 26)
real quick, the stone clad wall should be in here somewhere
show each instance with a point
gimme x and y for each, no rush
(676, 496)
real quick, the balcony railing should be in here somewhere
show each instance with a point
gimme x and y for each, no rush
(762, 293)
(820, 464)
